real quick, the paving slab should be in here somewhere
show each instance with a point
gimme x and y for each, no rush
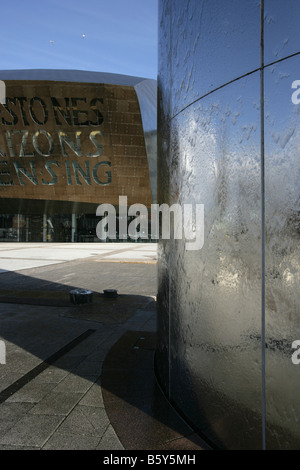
(110, 441)
(77, 442)
(31, 430)
(85, 420)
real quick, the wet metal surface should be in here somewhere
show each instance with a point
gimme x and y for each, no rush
(229, 139)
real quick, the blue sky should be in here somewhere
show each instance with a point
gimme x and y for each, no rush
(116, 36)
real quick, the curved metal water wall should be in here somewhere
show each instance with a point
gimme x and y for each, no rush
(229, 138)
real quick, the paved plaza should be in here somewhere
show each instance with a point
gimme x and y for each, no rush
(81, 377)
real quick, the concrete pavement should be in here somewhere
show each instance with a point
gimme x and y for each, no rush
(81, 377)
(19, 256)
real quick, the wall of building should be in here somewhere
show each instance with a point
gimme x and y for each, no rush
(228, 313)
(66, 147)
(79, 142)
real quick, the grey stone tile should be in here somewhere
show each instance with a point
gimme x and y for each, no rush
(71, 442)
(85, 421)
(90, 344)
(110, 440)
(31, 430)
(68, 362)
(56, 403)
(9, 378)
(111, 340)
(11, 447)
(93, 397)
(11, 413)
(87, 368)
(97, 355)
(52, 374)
(24, 366)
(81, 350)
(75, 383)
(142, 320)
(31, 392)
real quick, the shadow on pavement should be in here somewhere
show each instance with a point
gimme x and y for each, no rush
(137, 409)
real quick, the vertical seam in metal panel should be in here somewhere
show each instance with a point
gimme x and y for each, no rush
(170, 246)
(262, 117)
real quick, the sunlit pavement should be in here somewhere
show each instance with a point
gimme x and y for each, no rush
(19, 256)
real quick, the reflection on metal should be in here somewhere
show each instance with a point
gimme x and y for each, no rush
(2, 92)
(75, 146)
(48, 167)
(98, 146)
(79, 76)
(211, 343)
(36, 144)
(147, 95)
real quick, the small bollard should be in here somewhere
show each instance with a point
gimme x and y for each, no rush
(110, 293)
(81, 296)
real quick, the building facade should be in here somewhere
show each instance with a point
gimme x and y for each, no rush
(70, 141)
(229, 314)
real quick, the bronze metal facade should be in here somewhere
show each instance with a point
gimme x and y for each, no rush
(65, 148)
